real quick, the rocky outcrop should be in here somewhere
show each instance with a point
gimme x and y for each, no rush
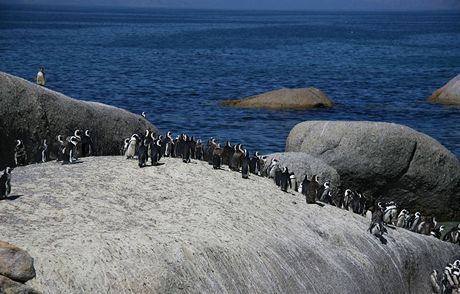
(186, 228)
(304, 164)
(387, 161)
(16, 268)
(32, 113)
(303, 98)
(16, 263)
(449, 94)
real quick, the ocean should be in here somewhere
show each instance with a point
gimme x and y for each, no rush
(177, 65)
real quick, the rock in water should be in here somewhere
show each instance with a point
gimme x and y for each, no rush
(187, 228)
(32, 113)
(304, 98)
(449, 94)
(304, 164)
(388, 161)
(16, 263)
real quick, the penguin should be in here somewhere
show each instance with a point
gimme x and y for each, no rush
(294, 180)
(402, 218)
(285, 179)
(44, 151)
(70, 151)
(41, 76)
(427, 225)
(143, 114)
(325, 192)
(210, 150)
(312, 190)
(167, 146)
(142, 153)
(192, 145)
(5, 183)
(125, 146)
(227, 152)
(347, 199)
(245, 165)
(199, 150)
(376, 227)
(62, 143)
(235, 162)
(187, 149)
(216, 157)
(437, 232)
(304, 185)
(254, 164)
(179, 145)
(156, 152)
(453, 235)
(20, 155)
(87, 147)
(434, 281)
(274, 165)
(416, 222)
(132, 146)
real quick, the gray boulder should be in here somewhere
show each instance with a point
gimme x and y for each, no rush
(304, 164)
(32, 113)
(16, 263)
(8, 286)
(285, 98)
(449, 94)
(387, 161)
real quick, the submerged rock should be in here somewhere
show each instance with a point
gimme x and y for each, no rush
(33, 113)
(449, 94)
(285, 98)
(186, 228)
(16, 263)
(388, 161)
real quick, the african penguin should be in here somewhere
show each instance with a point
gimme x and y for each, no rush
(87, 147)
(142, 153)
(70, 151)
(216, 157)
(20, 155)
(285, 179)
(44, 151)
(312, 190)
(5, 183)
(245, 164)
(132, 146)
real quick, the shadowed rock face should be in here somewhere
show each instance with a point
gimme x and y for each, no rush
(388, 161)
(304, 164)
(32, 113)
(284, 99)
(449, 94)
(9, 286)
(108, 226)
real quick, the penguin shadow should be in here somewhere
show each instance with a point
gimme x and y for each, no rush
(11, 198)
(75, 162)
(383, 240)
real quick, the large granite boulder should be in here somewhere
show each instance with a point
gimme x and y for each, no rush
(449, 94)
(285, 98)
(32, 113)
(387, 161)
(187, 228)
(8, 286)
(304, 164)
(16, 263)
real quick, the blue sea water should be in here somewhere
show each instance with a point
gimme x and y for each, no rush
(178, 64)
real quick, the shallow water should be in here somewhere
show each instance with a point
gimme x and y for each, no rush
(178, 64)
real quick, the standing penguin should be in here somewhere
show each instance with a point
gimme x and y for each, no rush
(132, 146)
(61, 146)
(187, 149)
(44, 151)
(70, 151)
(235, 161)
(5, 183)
(227, 153)
(199, 150)
(304, 185)
(416, 222)
(254, 165)
(294, 180)
(402, 218)
(285, 179)
(125, 146)
(216, 157)
(156, 152)
(325, 195)
(167, 146)
(41, 76)
(87, 147)
(142, 153)
(312, 190)
(245, 165)
(20, 155)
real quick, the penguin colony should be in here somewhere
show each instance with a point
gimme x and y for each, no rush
(153, 146)
(448, 282)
